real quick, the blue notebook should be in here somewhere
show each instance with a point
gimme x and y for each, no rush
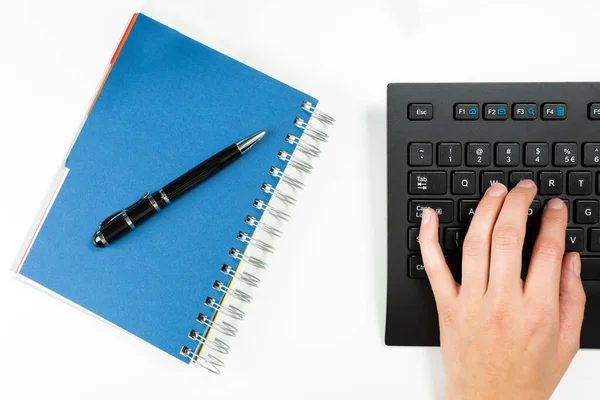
(167, 103)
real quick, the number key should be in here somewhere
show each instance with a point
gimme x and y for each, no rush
(478, 154)
(507, 154)
(536, 154)
(449, 154)
(565, 154)
(591, 154)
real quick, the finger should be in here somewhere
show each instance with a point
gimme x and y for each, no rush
(543, 277)
(508, 237)
(476, 247)
(442, 282)
(571, 304)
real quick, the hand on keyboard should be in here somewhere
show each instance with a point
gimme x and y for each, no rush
(503, 337)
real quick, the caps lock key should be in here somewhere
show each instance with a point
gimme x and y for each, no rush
(444, 209)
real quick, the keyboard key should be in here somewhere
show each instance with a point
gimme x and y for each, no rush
(518, 176)
(594, 240)
(587, 212)
(466, 210)
(507, 154)
(535, 211)
(551, 182)
(580, 183)
(421, 154)
(444, 208)
(466, 111)
(574, 240)
(489, 178)
(420, 112)
(536, 154)
(525, 111)
(565, 154)
(554, 111)
(478, 154)
(495, 111)
(463, 182)
(591, 154)
(413, 239)
(416, 268)
(432, 182)
(454, 238)
(594, 111)
(449, 154)
(590, 268)
(567, 204)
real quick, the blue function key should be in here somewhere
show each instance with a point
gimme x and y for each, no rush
(594, 111)
(495, 111)
(525, 111)
(466, 111)
(554, 111)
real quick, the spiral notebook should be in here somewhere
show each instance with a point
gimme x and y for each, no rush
(166, 104)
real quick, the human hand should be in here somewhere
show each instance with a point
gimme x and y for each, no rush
(502, 338)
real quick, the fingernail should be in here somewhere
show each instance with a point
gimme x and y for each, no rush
(426, 216)
(527, 183)
(496, 190)
(577, 264)
(556, 204)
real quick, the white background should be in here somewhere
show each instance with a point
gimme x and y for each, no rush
(316, 326)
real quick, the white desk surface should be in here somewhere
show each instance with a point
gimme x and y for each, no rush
(315, 329)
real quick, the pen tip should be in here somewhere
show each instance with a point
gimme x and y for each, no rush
(98, 240)
(250, 141)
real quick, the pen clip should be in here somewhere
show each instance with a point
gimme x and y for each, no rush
(120, 213)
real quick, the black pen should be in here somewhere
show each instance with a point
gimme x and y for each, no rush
(127, 219)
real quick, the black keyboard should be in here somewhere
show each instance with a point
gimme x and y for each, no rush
(448, 143)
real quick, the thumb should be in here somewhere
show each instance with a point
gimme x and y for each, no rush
(572, 305)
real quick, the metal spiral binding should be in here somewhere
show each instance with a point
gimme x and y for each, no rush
(223, 327)
(216, 344)
(238, 255)
(245, 238)
(286, 198)
(303, 146)
(277, 173)
(261, 205)
(245, 277)
(230, 311)
(294, 162)
(235, 293)
(320, 115)
(252, 221)
(211, 362)
(311, 131)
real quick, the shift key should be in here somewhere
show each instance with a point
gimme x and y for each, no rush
(444, 209)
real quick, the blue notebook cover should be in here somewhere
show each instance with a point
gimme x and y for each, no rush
(167, 104)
